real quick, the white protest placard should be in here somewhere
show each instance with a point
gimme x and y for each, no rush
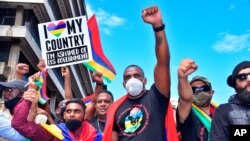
(65, 42)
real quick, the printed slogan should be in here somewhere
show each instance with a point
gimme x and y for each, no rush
(65, 42)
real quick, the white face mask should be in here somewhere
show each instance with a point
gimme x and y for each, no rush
(134, 87)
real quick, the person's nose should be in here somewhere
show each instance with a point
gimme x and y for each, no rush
(248, 77)
(103, 103)
(71, 115)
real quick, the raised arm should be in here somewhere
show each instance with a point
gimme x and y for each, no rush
(21, 69)
(67, 82)
(90, 110)
(187, 67)
(30, 129)
(153, 16)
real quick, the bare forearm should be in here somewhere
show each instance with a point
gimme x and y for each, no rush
(67, 87)
(185, 101)
(185, 90)
(162, 74)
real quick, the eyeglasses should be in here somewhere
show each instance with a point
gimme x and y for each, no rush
(242, 76)
(203, 88)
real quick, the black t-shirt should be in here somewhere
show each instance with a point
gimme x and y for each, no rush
(142, 119)
(192, 129)
(97, 124)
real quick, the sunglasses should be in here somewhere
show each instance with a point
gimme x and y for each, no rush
(204, 88)
(242, 76)
(7, 89)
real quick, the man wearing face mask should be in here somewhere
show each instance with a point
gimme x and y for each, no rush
(195, 109)
(237, 110)
(12, 93)
(142, 112)
(74, 128)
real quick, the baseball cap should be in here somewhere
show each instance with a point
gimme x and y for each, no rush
(201, 78)
(18, 84)
(240, 66)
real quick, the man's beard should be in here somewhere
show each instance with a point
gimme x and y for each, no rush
(73, 124)
(244, 96)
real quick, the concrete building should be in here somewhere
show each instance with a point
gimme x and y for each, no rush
(19, 42)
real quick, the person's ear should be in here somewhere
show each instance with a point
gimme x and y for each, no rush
(124, 84)
(144, 81)
(211, 92)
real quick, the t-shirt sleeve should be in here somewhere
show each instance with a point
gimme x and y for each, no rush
(159, 95)
(115, 127)
(188, 128)
(7, 131)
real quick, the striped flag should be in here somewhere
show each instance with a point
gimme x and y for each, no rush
(41, 84)
(100, 62)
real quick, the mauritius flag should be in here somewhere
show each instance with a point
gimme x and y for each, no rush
(100, 62)
(61, 132)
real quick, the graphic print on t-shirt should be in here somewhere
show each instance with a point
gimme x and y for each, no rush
(133, 120)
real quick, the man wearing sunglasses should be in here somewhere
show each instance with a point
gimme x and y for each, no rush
(12, 92)
(195, 108)
(237, 111)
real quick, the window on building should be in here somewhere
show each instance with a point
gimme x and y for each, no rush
(7, 16)
(31, 22)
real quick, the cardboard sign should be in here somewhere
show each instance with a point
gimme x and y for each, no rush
(65, 42)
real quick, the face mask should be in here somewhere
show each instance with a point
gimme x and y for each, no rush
(73, 124)
(10, 104)
(202, 99)
(244, 96)
(134, 86)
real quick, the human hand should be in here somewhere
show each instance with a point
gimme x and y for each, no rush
(65, 72)
(41, 65)
(22, 68)
(31, 94)
(152, 15)
(187, 67)
(97, 77)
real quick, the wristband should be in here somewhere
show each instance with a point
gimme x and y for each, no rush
(159, 28)
(99, 83)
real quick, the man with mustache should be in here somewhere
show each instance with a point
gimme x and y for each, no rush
(237, 111)
(102, 102)
(195, 109)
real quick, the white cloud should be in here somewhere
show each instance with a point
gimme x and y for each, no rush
(90, 12)
(232, 43)
(231, 7)
(105, 20)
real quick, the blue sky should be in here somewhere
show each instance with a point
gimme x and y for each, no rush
(214, 33)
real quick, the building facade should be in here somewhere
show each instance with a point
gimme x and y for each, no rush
(19, 42)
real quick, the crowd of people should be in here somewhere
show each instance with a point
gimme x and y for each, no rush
(140, 115)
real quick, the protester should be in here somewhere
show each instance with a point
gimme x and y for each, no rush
(103, 101)
(12, 93)
(236, 112)
(195, 110)
(74, 128)
(140, 115)
(68, 94)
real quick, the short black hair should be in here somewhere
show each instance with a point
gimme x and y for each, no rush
(78, 101)
(136, 66)
(108, 92)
